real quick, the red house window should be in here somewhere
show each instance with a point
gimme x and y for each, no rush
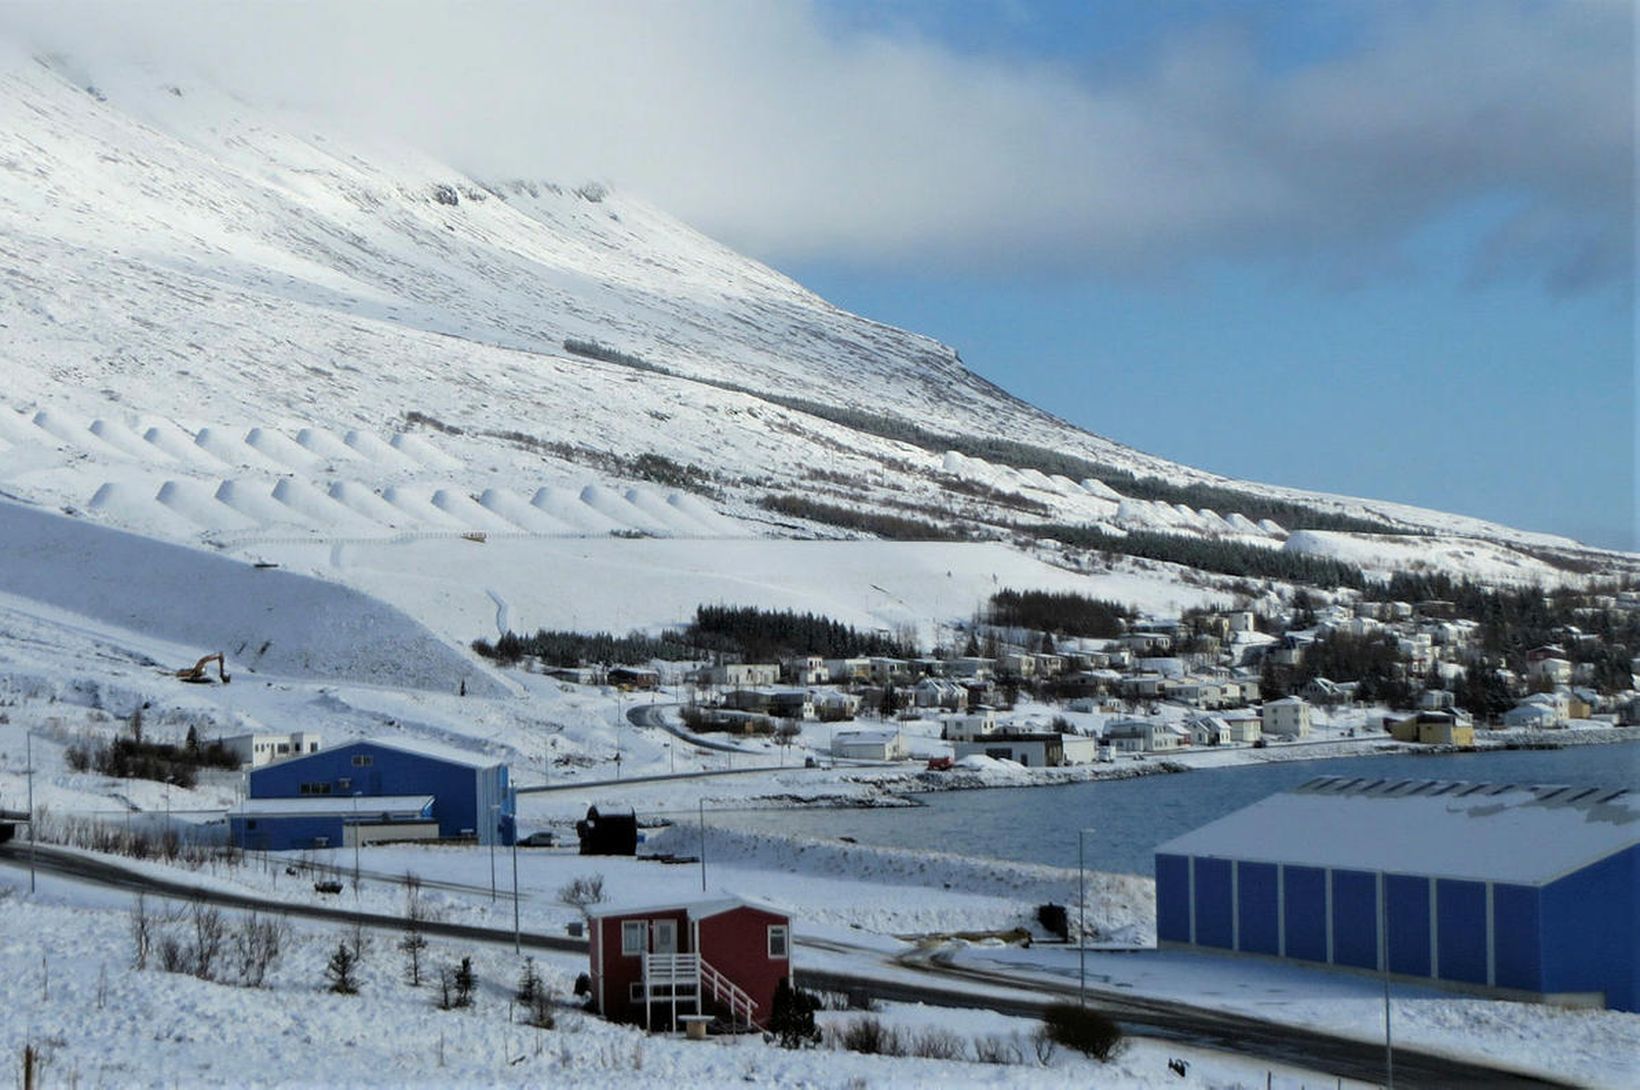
(779, 940)
(634, 938)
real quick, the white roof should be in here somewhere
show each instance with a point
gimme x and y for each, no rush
(864, 737)
(697, 910)
(430, 749)
(333, 804)
(1449, 829)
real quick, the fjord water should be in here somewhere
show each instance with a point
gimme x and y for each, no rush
(1127, 819)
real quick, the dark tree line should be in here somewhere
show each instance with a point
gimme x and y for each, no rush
(1212, 554)
(1064, 612)
(892, 527)
(734, 632)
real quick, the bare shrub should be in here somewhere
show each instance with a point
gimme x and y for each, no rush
(209, 933)
(257, 945)
(937, 1044)
(995, 1049)
(1045, 1046)
(584, 892)
(142, 932)
(173, 958)
(870, 1037)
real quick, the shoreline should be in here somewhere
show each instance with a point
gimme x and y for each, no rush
(901, 789)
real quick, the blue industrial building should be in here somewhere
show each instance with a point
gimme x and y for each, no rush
(1530, 892)
(376, 790)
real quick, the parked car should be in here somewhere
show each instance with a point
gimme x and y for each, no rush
(541, 839)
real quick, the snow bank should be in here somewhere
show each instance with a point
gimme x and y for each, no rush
(274, 621)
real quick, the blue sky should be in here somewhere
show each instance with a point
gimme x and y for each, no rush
(1490, 392)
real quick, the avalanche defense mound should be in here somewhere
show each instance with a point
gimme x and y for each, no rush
(271, 623)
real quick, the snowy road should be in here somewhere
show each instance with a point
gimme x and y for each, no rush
(898, 981)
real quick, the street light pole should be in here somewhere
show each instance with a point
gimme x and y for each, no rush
(516, 934)
(495, 822)
(28, 747)
(1081, 918)
(702, 802)
(356, 795)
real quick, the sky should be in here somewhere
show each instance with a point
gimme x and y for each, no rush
(1372, 247)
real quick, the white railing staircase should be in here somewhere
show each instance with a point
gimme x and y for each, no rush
(688, 978)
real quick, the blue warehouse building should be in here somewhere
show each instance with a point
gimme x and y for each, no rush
(1527, 892)
(376, 790)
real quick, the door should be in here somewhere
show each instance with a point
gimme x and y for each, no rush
(666, 936)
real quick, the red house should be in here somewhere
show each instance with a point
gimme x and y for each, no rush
(725, 957)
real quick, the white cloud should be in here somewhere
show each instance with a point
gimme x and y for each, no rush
(759, 124)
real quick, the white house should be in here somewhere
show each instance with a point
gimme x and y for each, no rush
(868, 745)
(1139, 735)
(746, 675)
(1241, 620)
(966, 728)
(934, 692)
(1245, 727)
(1557, 670)
(258, 749)
(808, 670)
(1209, 730)
(1538, 716)
(1288, 717)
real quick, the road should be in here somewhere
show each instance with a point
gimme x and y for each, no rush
(1221, 1031)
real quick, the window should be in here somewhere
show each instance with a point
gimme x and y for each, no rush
(778, 941)
(363, 760)
(634, 991)
(343, 783)
(284, 747)
(315, 789)
(251, 824)
(634, 936)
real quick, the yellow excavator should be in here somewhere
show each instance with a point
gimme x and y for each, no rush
(196, 675)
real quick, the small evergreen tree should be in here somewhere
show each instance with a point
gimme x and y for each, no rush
(340, 970)
(791, 1019)
(465, 980)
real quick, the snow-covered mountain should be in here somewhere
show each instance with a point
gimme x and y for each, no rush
(223, 324)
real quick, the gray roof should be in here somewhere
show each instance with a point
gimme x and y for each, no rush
(1529, 835)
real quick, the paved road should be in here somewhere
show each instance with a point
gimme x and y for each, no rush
(1225, 1032)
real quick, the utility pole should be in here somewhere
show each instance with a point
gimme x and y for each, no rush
(495, 825)
(28, 748)
(1081, 921)
(355, 847)
(702, 844)
(1383, 941)
(516, 935)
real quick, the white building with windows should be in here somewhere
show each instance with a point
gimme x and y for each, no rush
(1288, 717)
(255, 750)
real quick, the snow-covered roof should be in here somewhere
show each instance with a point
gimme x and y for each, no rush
(865, 737)
(423, 748)
(1449, 829)
(697, 910)
(332, 805)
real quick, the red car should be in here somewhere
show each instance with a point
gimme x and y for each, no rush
(940, 764)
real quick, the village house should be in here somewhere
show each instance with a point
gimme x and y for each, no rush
(933, 692)
(833, 705)
(1246, 727)
(965, 728)
(791, 704)
(807, 670)
(1556, 671)
(1288, 717)
(746, 675)
(971, 666)
(255, 750)
(1433, 728)
(1032, 749)
(651, 964)
(1195, 692)
(868, 744)
(1021, 664)
(640, 678)
(1209, 730)
(848, 671)
(1140, 736)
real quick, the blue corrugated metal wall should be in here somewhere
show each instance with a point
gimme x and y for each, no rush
(458, 790)
(1305, 890)
(286, 833)
(1256, 908)
(1407, 903)
(1355, 918)
(1460, 913)
(1589, 935)
(1172, 898)
(1576, 935)
(1213, 905)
